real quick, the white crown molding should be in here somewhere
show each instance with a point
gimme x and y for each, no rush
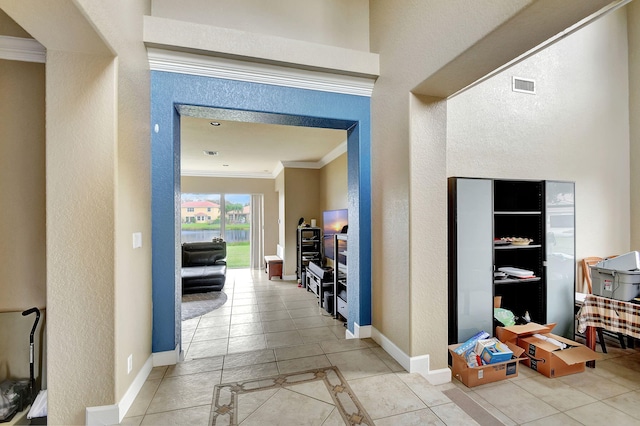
(253, 72)
(335, 153)
(210, 173)
(22, 49)
(301, 164)
(279, 168)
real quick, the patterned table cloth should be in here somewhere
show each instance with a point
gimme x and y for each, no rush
(612, 315)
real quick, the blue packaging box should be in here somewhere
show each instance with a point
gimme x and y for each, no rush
(497, 353)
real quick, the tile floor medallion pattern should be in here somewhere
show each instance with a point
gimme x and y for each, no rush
(233, 402)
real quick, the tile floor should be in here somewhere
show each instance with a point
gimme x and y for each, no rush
(273, 327)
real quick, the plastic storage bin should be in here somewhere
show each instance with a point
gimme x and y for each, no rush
(624, 262)
(615, 284)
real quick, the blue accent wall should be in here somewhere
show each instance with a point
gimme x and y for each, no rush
(254, 102)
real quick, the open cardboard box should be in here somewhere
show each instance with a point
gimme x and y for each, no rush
(542, 355)
(474, 376)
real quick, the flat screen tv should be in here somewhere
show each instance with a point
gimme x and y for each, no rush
(333, 222)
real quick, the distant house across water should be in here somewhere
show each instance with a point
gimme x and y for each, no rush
(199, 211)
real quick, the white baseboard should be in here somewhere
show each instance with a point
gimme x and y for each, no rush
(103, 415)
(113, 414)
(133, 391)
(416, 364)
(359, 332)
(289, 277)
(166, 358)
(438, 377)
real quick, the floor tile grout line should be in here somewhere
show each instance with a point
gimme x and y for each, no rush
(516, 382)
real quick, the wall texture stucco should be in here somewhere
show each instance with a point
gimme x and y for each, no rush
(97, 173)
(329, 22)
(575, 128)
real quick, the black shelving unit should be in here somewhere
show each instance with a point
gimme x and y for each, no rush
(308, 249)
(482, 212)
(340, 276)
(518, 211)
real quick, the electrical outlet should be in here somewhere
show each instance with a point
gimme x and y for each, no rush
(129, 363)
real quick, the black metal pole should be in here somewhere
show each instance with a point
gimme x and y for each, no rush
(32, 380)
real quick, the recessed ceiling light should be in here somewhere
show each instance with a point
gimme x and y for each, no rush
(212, 153)
(215, 123)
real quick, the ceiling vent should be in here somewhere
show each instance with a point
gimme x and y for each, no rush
(523, 85)
(212, 153)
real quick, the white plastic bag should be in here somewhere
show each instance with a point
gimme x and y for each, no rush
(39, 406)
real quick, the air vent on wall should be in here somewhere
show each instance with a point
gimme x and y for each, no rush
(523, 85)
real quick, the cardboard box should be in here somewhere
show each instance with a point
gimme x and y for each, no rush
(544, 356)
(511, 334)
(475, 376)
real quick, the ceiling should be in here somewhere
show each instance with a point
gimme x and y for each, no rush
(257, 150)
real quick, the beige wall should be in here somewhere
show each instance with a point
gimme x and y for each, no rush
(9, 27)
(413, 42)
(333, 186)
(266, 187)
(575, 128)
(23, 260)
(408, 134)
(306, 193)
(331, 22)
(302, 188)
(97, 138)
(22, 189)
(120, 25)
(82, 287)
(22, 220)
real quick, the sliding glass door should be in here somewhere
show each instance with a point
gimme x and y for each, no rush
(208, 216)
(236, 228)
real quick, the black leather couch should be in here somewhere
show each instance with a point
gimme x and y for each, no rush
(204, 266)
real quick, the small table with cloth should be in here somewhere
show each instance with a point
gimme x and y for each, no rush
(613, 315)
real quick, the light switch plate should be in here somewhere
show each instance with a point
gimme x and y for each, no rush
(137, 240)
